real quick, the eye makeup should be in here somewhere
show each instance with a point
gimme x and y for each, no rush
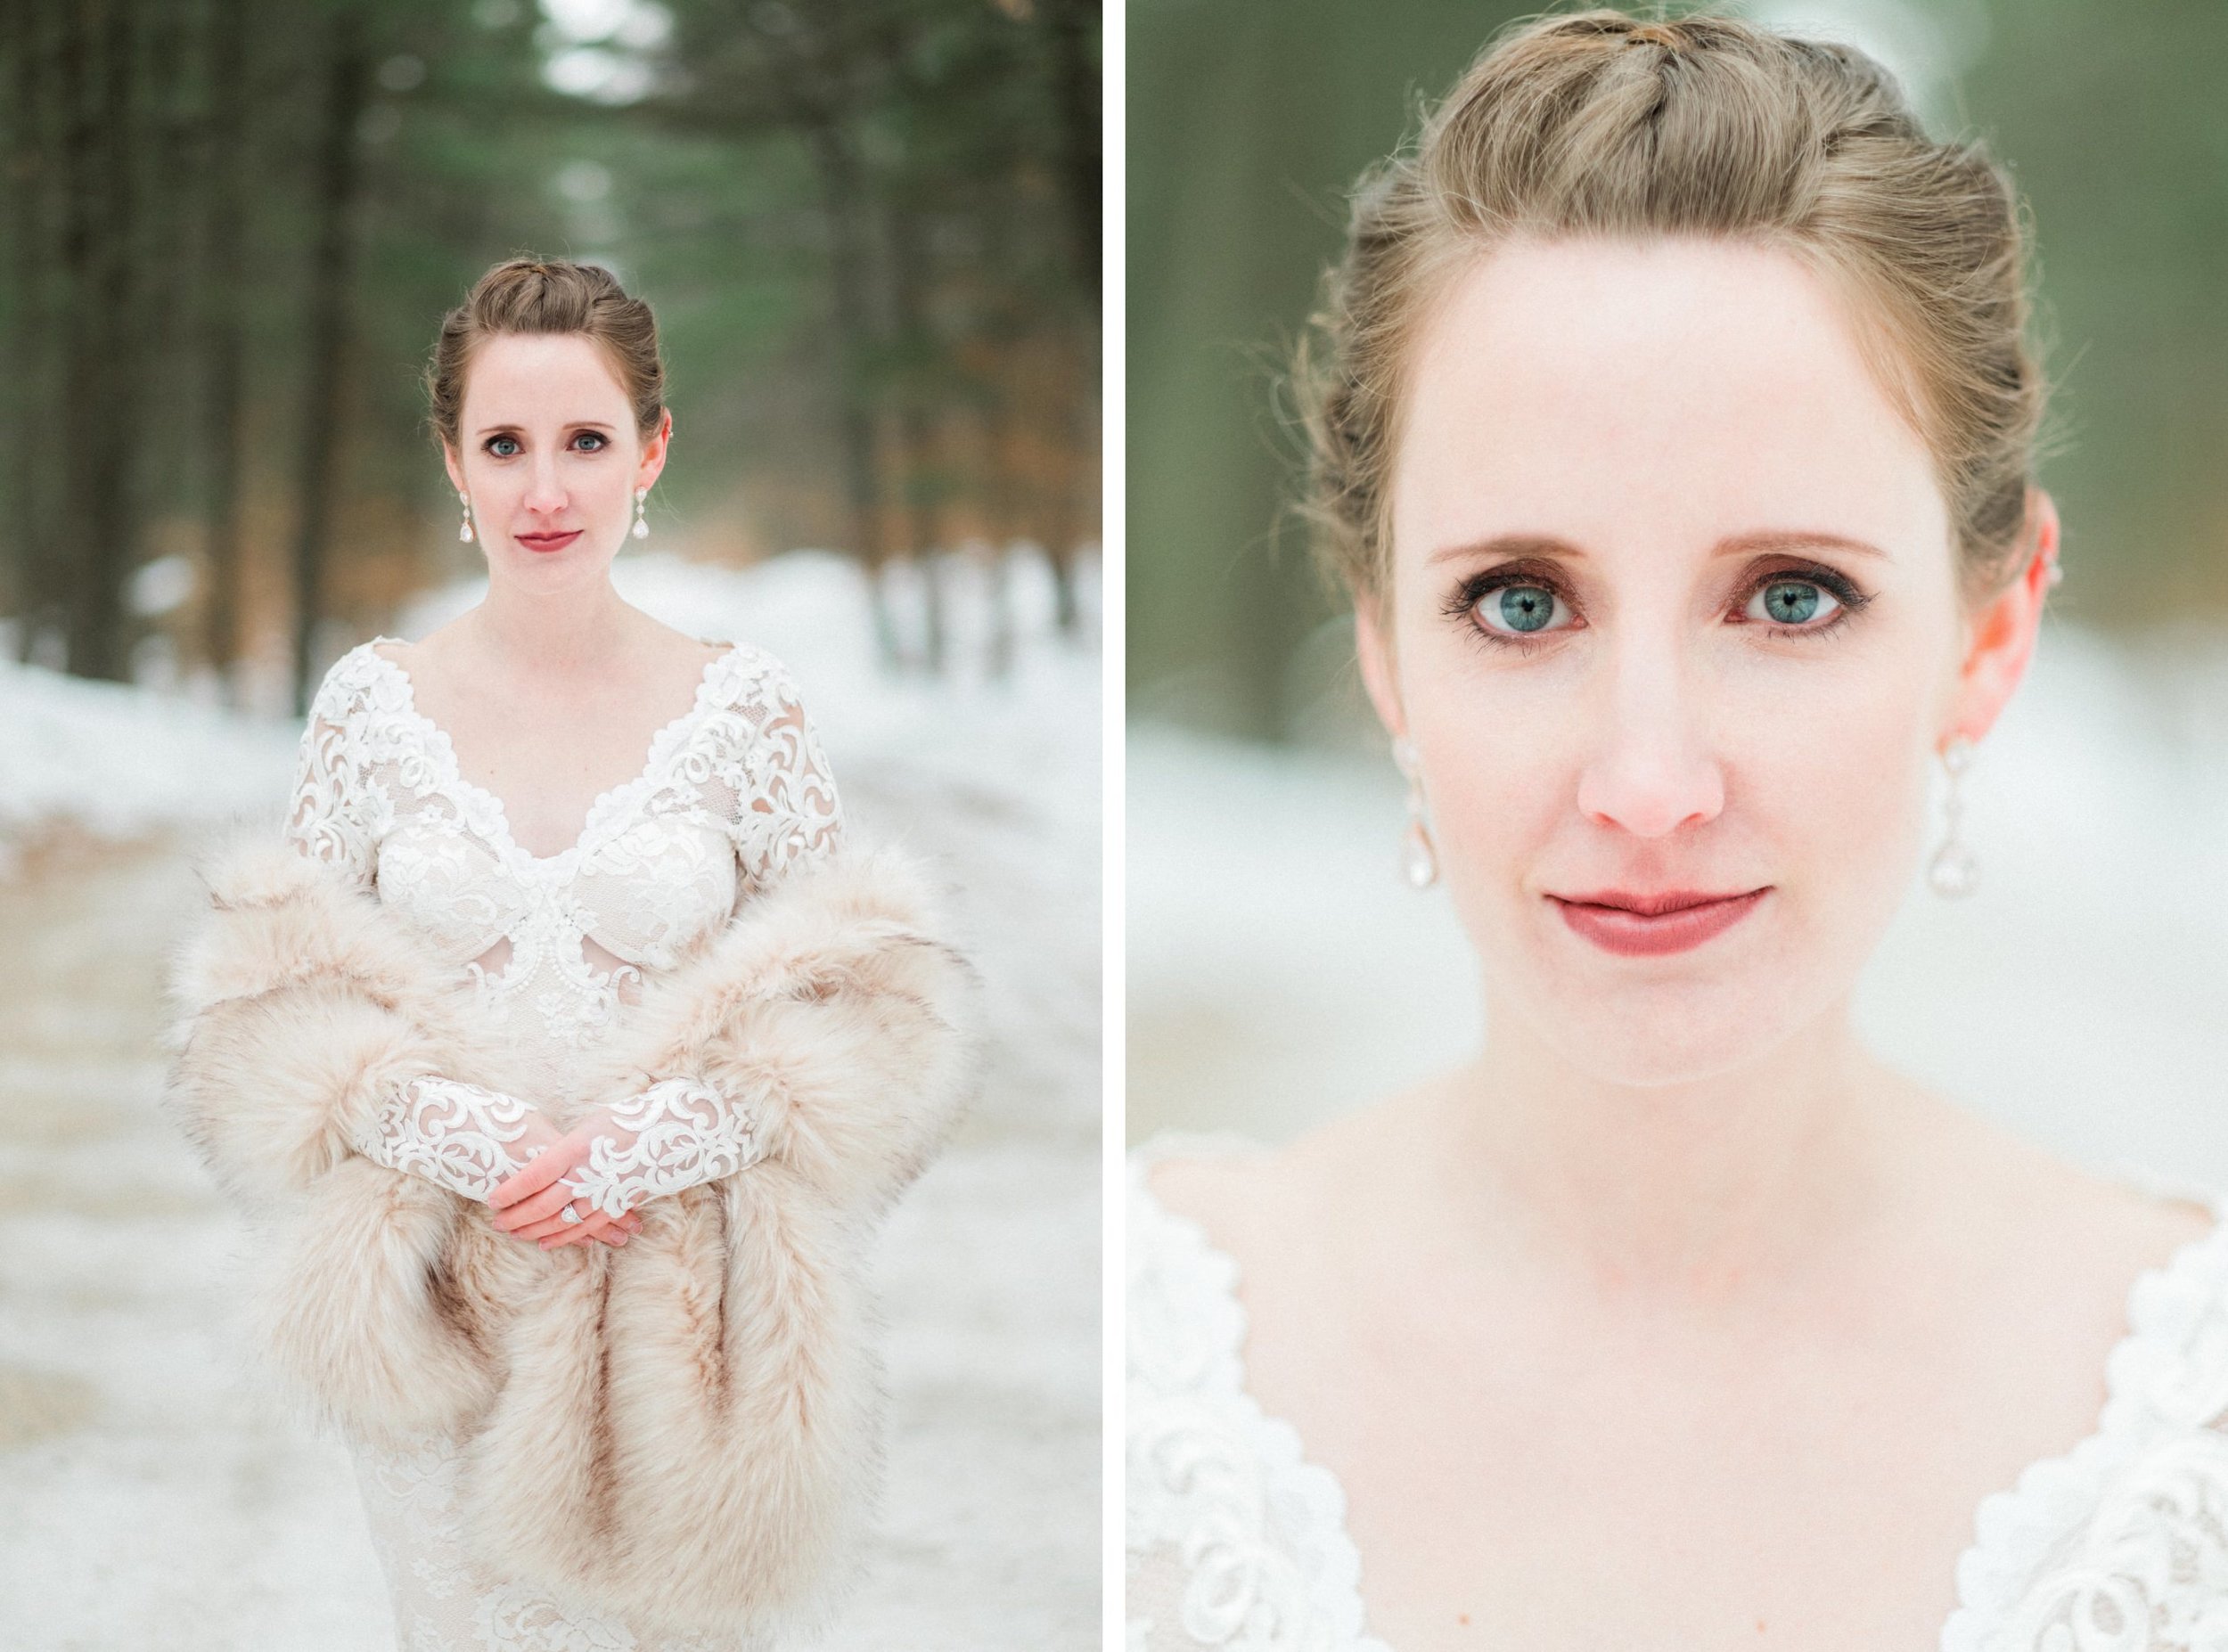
(1465, 604)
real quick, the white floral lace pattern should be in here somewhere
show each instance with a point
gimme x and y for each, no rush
(457, 1134)
(675, 1134)
(734, 791)
(1236, 1542)
(554, 950)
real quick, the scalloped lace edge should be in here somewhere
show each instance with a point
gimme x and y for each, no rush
(1203, 1306)
(669, 738)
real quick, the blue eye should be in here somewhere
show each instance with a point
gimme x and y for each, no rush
(597, 438)
(1520, 610)
(503, 447)
(1792, 603)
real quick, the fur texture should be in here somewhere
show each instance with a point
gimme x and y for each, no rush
(687, 1429)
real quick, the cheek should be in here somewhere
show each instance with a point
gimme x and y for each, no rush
(1500, 751)
(1828, 788)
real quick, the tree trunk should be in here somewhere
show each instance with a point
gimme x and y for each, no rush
(906, 271)
(79, 126)
(31, 172)
(1076, 98)
(223, 343)
(327, 331)
(108, 509)
(842, 201)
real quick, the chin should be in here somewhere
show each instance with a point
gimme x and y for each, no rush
(1657, 1045)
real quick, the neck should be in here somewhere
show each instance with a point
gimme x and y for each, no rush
(1703, 1189)
(563, 633)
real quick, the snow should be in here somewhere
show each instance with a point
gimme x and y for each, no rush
(157, 1496)
(1279, 973)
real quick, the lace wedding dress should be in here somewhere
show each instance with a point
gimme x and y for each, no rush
(734, 791)
(1237, 1542)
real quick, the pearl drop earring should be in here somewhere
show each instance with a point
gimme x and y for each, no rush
(465, 532)
(1419, 860)
(1953, 873)
(641, 523)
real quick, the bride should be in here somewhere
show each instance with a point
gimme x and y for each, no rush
(1673, 429)
(564, 1084)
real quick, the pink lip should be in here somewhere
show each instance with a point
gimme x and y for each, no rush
(1654, 926)
(547, 542)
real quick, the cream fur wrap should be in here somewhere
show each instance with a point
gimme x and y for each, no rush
(685, 1429)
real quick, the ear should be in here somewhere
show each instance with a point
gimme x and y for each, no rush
(453, 462)
(654, 450)
(1373, 647)
(2000, 636)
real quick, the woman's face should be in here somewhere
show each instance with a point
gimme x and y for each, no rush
(1674, 626)
(550, 457)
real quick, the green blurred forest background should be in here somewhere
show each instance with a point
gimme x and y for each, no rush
(229, 228)
(1249, 119)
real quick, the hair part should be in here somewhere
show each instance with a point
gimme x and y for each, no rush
(548, 296)
(1598, 124)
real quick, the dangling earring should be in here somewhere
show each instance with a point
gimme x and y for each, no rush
(1418, 861)
(642, 524)
(465, 532)
(1953, 873)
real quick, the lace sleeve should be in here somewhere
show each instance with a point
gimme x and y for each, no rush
(331, 816)
(788, 811)
(675, 1134)
(461, 1136)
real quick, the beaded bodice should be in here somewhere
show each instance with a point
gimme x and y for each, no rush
(733, 791)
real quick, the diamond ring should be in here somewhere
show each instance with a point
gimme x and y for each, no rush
(570, 1213)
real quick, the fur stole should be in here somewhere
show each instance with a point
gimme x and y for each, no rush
(685, 1429)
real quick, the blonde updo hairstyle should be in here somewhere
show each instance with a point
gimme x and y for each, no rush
(1598, 124)
(548, 296)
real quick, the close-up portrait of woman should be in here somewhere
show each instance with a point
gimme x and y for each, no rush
(549, 732)
(1685, 1238)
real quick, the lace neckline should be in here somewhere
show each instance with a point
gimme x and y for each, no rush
(2150, 1387)
(609, 804)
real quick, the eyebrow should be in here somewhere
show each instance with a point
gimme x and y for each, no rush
(1767, 542)
(1508, 547)
(578, 424)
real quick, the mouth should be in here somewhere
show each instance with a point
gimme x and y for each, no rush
(547, 543)
(1654, 926)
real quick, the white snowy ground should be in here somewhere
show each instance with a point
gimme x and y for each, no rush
(1279, 973)
(153, 1495)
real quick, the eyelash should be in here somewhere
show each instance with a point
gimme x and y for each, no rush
(1463, 604)
(600, 440)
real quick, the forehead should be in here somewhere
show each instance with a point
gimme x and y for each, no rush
(1650, 393)
(564, 376)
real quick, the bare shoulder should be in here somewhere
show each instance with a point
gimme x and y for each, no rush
(2062, 1232)
(1273, 1202)
(671, 643)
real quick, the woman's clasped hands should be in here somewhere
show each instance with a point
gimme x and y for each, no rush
(530, 1202)
(678, 1133)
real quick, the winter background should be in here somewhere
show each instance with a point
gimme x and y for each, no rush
(155, 1493)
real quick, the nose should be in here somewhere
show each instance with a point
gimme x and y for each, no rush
(545, 492)
(1652, 772)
